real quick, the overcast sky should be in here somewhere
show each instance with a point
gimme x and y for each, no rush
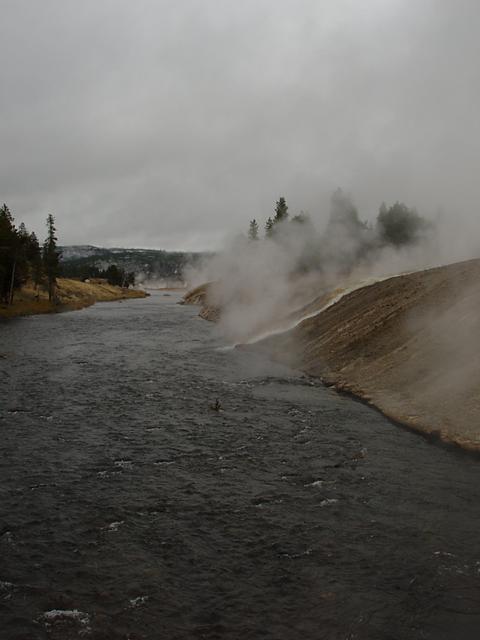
(169, 124)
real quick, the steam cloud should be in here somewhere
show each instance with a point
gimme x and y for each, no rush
(266, 285)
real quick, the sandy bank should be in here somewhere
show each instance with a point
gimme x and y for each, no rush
(409, 345)
(71, 294)
(203, 296)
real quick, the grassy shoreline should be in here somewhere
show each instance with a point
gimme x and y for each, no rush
(71, 295)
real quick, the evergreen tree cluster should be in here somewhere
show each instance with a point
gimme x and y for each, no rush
(113, 274)
(347, 239)
(22, 258)
(398, 225)
(281, 215)
(117, 276)
(273, 223)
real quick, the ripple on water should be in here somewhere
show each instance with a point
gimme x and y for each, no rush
(113, 527)
(137, 602)
(67, 620)
(328, 502)
(123, 464)
(160, 518)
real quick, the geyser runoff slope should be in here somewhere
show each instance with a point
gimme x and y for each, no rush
(409, 345)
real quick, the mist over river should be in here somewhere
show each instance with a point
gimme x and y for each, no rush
(130, 509)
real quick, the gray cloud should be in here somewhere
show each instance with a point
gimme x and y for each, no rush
(171, 124)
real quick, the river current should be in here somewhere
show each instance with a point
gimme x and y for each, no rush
(131, 508)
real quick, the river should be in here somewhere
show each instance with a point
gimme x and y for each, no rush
(132, 509)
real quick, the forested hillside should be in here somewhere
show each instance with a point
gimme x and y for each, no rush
(84, 261)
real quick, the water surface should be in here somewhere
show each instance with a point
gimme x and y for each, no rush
(130, 509)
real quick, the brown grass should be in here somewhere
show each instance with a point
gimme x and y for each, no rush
(71, 295)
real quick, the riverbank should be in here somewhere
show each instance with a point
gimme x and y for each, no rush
(71, 295)
(202, 296)
(407, 345)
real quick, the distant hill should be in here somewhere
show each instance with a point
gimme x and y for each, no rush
(147, 264)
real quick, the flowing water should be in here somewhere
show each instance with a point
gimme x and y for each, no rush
(131, 508)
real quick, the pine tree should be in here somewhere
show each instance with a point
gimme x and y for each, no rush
(281, 215)
(253, 230)
(114, 275)
(269, 228)
(22, 270)
(281, 211)
(8, 254)
(34, 257)
(51, 257)
(22, 231)
(399, 225)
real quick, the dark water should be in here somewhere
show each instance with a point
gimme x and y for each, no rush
(130, 509)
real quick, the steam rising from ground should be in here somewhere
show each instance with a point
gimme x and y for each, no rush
(266, 285)
(147, 281)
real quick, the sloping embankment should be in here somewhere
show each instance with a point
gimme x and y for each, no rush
(409, 345)
(202, 296)
(71, 294)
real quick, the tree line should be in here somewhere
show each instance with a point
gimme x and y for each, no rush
(113, 274)
(272, 224)
(347, 239)
(22, 258)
